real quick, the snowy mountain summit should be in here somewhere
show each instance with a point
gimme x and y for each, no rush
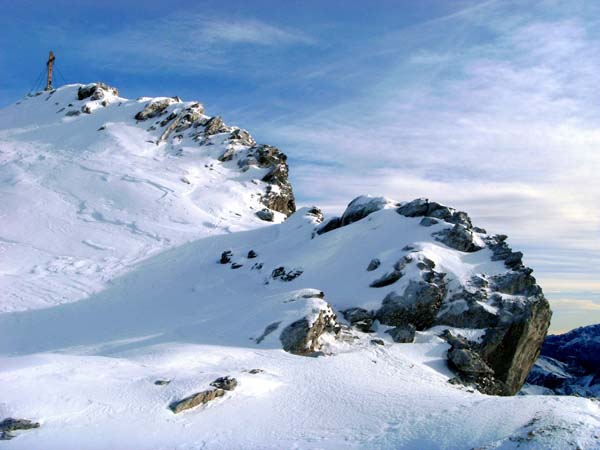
(156, 276)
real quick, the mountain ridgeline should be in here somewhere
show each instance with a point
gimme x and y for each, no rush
(386, 272)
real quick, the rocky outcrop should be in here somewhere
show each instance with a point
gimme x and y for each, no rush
(154, 108)
(362, 206)
(220, 386)
(197, 399)
(422, 207)
(459, 237)
(9, 426)
(226, 383)
(403, 334)
(280, 273)
(417, 305)
(279, 195)
(302, 337)
(359, 318)
(357, 209)
(96, 91)
(386, 279)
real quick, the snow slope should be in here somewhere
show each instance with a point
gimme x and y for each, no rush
(159, 306)
(85, 197)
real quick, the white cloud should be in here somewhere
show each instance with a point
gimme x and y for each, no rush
(507, 130)
(186, 43)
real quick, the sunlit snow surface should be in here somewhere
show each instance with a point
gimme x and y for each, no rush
(103, 217)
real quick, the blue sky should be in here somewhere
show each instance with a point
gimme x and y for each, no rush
(489, 106)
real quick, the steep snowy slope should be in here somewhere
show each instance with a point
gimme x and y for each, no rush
(87, 190)
(374, 330)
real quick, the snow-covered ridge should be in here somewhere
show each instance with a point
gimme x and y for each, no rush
(152, 213)
(93, 183)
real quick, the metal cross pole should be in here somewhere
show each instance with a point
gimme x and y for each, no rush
(49, 64)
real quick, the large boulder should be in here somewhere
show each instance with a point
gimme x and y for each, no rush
(303, 337)
(459, 237)
(512, 347)
(9, 426)
(96, 91)
(279, 195)
(154, 108)
(417, 305)
(362, 206)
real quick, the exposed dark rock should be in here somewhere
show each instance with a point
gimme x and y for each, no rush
(252, 254)
(403, 334)
(265, 214)
(227, 155)
(468, 362)
(415, 208)
(330, 225)
(9, 426)
(96, 91)
(268, 330)
(162, 382)
(458, 238)
(361, 207)
(421, 207)
(303, 337)
(386, 279)
(502, 252)
(472, 370)
(418, 305)
(316, 213)
(214, 126)
(72, 113)
(180, 121)
(197, 399)
(373, 265)
(359, 318)
(377, 342)
(512, 347)
(281, 274)
(154, 108)
(226, 257)
(255, 371)
(226, 383)
(242, 137)
(236, 265)
(428, 221)
(519, 282)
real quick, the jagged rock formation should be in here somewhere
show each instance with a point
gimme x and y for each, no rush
(509, 306)
(303, 337)
(9, 426)
(220, 387)
(179, 117)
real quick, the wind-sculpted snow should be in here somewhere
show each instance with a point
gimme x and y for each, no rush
(372, 330)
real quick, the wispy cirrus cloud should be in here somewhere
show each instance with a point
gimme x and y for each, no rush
(504, 125)
(182, 43)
